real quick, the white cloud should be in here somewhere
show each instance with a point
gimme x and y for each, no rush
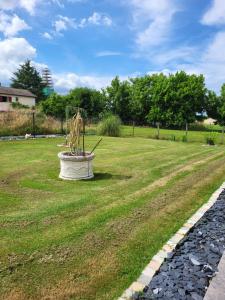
(99, 19)
(28, 5)
(66, 81)
(31, 5)
(215, 15)
(168, 56)
(13, 52)
(47, 36)
(108, 53)
(64, 23)
(210, 63)
(96, 18)
(11, 25)
(63, 82)
(152, 21)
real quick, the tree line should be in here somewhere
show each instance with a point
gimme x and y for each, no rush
(173, 100)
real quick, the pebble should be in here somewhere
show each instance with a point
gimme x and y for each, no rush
(187, 271)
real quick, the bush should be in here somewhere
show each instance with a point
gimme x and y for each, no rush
(210, 141)
(110, 126)
(211, 138)
(184, 139)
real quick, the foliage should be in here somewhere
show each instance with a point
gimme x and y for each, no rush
(28, 78)
(110, 126)
(90, 100)
(216, 106)
(210, 138)
(140, 103)
(18, 105)
(117, 99)
(55, 106)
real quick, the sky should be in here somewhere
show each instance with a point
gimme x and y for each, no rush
(89, 42)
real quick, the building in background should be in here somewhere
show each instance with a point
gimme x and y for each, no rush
(10, 95)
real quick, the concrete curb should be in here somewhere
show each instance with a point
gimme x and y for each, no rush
(156, 261)
(216, 289)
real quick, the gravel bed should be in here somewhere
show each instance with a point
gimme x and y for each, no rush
(187, 272)
(22, 137)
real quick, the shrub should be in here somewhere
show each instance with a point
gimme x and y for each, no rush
(184, 138)
(211, 138)
(110, 126)
(210, 141)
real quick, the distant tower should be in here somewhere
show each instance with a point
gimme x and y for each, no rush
(48, 82)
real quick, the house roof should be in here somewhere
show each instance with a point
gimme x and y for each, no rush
(16, 92)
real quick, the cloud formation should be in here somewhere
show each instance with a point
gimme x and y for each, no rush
(152, 20)
(13, 52)
(63, 23)
(67, 81)
(215, 15)
(28, 5)
(11, 25)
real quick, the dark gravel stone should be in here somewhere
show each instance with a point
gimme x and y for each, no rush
(187, 271)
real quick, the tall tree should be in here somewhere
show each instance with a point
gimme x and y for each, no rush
(118, 98)
(27, 77)
(141, 97)
(216, 107)
(89, 99)
(158, 105)
(186, 97)
(55, 105)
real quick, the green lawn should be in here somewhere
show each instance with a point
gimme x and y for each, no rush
(170, 134)
(91, 239)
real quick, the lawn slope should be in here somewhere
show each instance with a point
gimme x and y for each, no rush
(90, 239)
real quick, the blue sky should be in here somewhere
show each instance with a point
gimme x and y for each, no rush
(87, 42)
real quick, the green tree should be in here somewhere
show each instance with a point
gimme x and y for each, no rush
(28, 78)
(55, 106)
(140, 103)
(186, 97)
(216, 107)
(117, 98)
(89, 99)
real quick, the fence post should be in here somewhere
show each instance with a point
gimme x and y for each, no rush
(33, 122)
(223, 134)
(62, 126)
(158, 124)
(186, 130)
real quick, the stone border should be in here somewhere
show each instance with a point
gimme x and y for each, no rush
(155, 263)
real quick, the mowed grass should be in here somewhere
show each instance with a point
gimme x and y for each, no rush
(90, 239)
(172, 134)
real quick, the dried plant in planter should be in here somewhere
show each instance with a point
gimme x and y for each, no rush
(76, 127)
(76, 164)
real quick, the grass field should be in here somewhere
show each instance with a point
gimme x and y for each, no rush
(170, 134)
(90, 239)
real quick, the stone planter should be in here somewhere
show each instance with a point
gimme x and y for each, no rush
(75, 167)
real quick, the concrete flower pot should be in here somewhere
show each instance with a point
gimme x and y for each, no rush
(75, 167)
